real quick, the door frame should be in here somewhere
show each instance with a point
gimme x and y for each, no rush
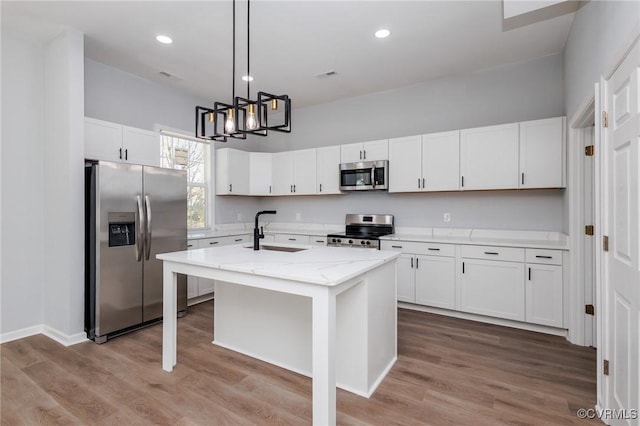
(578, 125)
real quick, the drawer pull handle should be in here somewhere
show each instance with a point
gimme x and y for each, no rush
(239, 239)
(292, 239)
(396, 246)
(544, 257)
(320, 241)
(189, 245)
(434, 249)
(491, 252)
(214, 242)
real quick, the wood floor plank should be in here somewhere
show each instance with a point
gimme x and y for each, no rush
(449, 372)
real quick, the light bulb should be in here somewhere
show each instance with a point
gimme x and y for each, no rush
(211, 117)
(229, 125)
(252, 123)
(274, 104)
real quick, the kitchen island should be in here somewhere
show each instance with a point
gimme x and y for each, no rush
(327, 312)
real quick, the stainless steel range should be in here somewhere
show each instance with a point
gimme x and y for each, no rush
(363, 230)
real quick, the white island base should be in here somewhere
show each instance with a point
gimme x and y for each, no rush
(327, 311)
(277, 328)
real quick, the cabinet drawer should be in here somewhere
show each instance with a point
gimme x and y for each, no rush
(431, 249)
(511, 254)
(545, 256)
(292, 238)
(318, 241)
(223, 241)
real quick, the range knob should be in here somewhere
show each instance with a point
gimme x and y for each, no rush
(350, 241)
(333, 240)
(368, 243)
(339, 240)
(362, 242)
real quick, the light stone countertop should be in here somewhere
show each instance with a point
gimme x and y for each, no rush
(321, 265)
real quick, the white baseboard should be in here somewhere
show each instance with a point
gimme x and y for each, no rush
(489, 320)
(50, 332)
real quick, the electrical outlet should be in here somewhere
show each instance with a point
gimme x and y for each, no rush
(298, 216)
(239, 217)
(447, 217)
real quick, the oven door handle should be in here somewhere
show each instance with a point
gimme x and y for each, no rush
(373, 176)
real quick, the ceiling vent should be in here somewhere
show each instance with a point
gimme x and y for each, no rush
(326, 74)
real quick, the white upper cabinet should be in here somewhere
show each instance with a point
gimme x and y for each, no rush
(405, 164)
(141, 146)
(304, 172)
(282, 173)
(365, 151)
(328, 170)
(425, 163)
(542, 153)
(260, 173)
(489, 157)
(232, 172)
(441, 161)
(114, 142)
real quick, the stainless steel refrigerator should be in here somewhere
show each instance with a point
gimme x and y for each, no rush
(132, 213)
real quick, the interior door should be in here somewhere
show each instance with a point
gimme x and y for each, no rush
(622, 279)
(165, 200)
(589, 260)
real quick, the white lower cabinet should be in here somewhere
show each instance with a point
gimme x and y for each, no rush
(435, 281)
(406, 279)
(292, 238)
(493, 288)
(197, 287)
(544, 299)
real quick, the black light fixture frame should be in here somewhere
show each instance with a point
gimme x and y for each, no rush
(221, 110)
(264, 103)
(241, 105)
(202, 116)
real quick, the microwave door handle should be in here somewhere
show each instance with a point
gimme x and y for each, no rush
(373, 176)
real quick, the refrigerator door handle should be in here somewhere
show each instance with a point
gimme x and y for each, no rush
(139, 228)
(147, 234)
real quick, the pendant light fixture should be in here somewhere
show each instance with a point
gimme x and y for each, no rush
(244, 116)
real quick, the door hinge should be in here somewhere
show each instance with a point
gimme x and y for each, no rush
(605, 367)
(589, 230)
(589, 150)
(605, 243)
(589, 309)
(605, 119)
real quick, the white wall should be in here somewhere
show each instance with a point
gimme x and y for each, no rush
(22, 183)
(518, 92)
(63, 289)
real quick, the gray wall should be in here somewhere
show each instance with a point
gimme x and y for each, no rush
(523, 91)
(599, 31)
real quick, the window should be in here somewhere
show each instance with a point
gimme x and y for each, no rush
(194, 157)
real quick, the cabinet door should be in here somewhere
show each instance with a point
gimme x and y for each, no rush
(544, 302)
(351, 153)
(206, 286)
(441, 161)
(141, 146)
(282, 173)
(304, 171)
(328, 169)
(405, 164)
(232, 171)
(260, 173)
(405, 278)
(102, 140)
(542, 153)
(192, 282)
(375, 150)
(489, 157)
(492, 288)
(435, 281)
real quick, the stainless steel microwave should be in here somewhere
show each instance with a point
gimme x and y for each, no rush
(364, 176)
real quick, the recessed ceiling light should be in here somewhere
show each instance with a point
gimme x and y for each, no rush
(383, 33)
(247, 78)
(164, 39)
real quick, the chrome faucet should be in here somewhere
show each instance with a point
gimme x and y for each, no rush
(259, 233)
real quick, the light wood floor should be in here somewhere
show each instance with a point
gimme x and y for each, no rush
(449, 371)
